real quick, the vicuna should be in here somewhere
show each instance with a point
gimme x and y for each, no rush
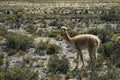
(83, 41)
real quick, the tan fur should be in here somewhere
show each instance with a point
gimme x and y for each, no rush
(83, 41)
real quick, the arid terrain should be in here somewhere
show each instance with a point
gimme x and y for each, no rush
(32, 46)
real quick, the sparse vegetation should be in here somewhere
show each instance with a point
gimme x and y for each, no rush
(1, 58)
(31, 29)
(54, 33)
(56, 64)
(104, 34)
(55, 77)
(19, 74)
(19, 23)
(52, 49)
(73, 33)
(47, 48)
(70, 74)
(112, 14)
(3, 31)
(17, 42)
(110, 51)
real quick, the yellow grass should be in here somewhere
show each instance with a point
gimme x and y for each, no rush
(1, 38)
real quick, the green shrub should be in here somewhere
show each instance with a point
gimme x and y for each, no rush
(104, 34)
(39, 33)
(16, 73)
(112, 14)
(1, 73)
(54, 33)
(70, 74)
(55, 77)
(72, 33)
(1, 38)
(53, 23)
(94, 31)
(1, 58)
(31, 28)
(41, 46)
(3, 30)
(117, 28)
(11, 52)
(82, 75)
(110, 74)
(48, 47)
(18, 42)
(52, 49)
(115, 56)
(110, 51)
(106, 49)
(56, 64)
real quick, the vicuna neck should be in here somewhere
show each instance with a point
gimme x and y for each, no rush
(67, 37)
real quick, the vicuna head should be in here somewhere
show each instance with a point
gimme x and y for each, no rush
(63, 28)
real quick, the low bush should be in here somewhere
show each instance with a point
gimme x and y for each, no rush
(39, 33)
(2, 74)
(110, 51)
(1, 58)
(53, 23)
(94, 31)
(104, 34)
(55, 77)
(16, 73)
(54, 33)
(106, 49)
(49, 48)
(52, 49)
(111, 14)
(56, 64)
(73, 33)
(82, 75)
(11, 52)
(1, 38)
(41, 46)
(3, 31)
(31, 29)
(70, 74)
(110, 74)
(18, 42)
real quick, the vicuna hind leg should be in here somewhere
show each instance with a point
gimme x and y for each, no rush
(94, 51)
(93, 55)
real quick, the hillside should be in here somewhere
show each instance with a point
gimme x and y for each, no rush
(86, 1)
(32, 46)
